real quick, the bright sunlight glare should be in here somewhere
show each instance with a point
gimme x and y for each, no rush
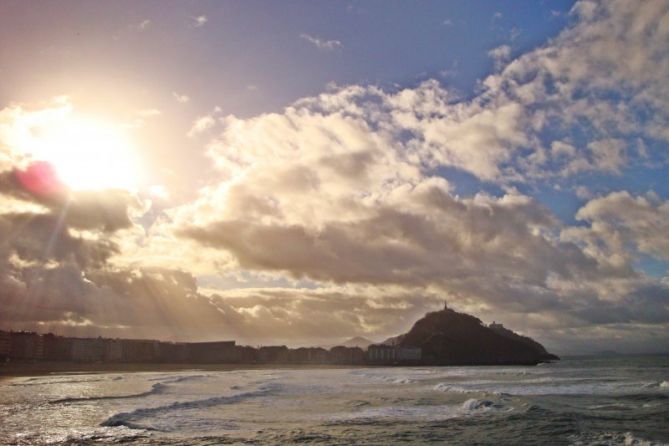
(86, 153)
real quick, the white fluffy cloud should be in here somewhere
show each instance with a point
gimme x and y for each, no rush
(344, 187)
(622, 225)
(322, 44)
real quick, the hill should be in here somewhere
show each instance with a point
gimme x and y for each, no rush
(358, 341)
(447, 337)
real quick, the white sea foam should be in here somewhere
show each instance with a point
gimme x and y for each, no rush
(663, 385)
(392, 379)
(156, 389)
(555, 386)
(612, 439)
(448, 388)
(474, 405)
(61, 435)
(177, 378)
(130, 419)
(48, 382)
(397, 380)
(471, 407)
(610, 406)
(473, 387)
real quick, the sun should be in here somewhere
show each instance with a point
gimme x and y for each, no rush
(86, 153)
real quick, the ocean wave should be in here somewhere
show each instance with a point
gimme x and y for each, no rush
(474, 405)
(557, 387)
(401, 379)
(661, 385)
(471, 407)
(373, 414)
(612, 439)
(610, 406)
(155, 390)
(46, 382)
(81, 436)
(397, 380)
(129, 419)
(449, 388)
(177, 378)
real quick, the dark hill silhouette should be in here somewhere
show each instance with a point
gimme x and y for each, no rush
(451, 338)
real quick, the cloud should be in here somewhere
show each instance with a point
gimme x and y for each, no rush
(623, 225)
(149, 112)
(410, 247)
(180, 98)
(317, 193)
(200, 21)
(349, 192)
(159, 191)
(500, 55)
(204, 123)
(343, 188)
(201, 124)
(322, 44)
(144, 25)
(143, 115)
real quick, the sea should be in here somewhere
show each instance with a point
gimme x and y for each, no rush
(620, 400)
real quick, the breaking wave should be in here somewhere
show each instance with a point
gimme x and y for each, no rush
(128, 419)
(397, 379)
(177, 378)
(473, 405)
(449, 388)
(155, 390)
(47, 382)
(612, 439)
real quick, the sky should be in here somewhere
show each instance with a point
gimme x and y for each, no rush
(304, 172)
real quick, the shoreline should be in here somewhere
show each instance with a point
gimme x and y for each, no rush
(17, 369)
(12, 370)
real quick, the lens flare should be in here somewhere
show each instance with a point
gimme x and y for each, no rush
(40, 178)
(86, 153)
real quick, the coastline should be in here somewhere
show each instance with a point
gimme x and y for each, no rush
(15, 369)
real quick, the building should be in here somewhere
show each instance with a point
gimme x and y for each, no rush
(347, 355)
(5, 345)
(112, 350)
(246, 354)
(87, 349)
(212, 352)
(275, 353)
(140, 350)
(381, 353)
(57, 348)
(497, 327)
(388, 354)
(309, 355)
(173, 352)
(26, 345)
